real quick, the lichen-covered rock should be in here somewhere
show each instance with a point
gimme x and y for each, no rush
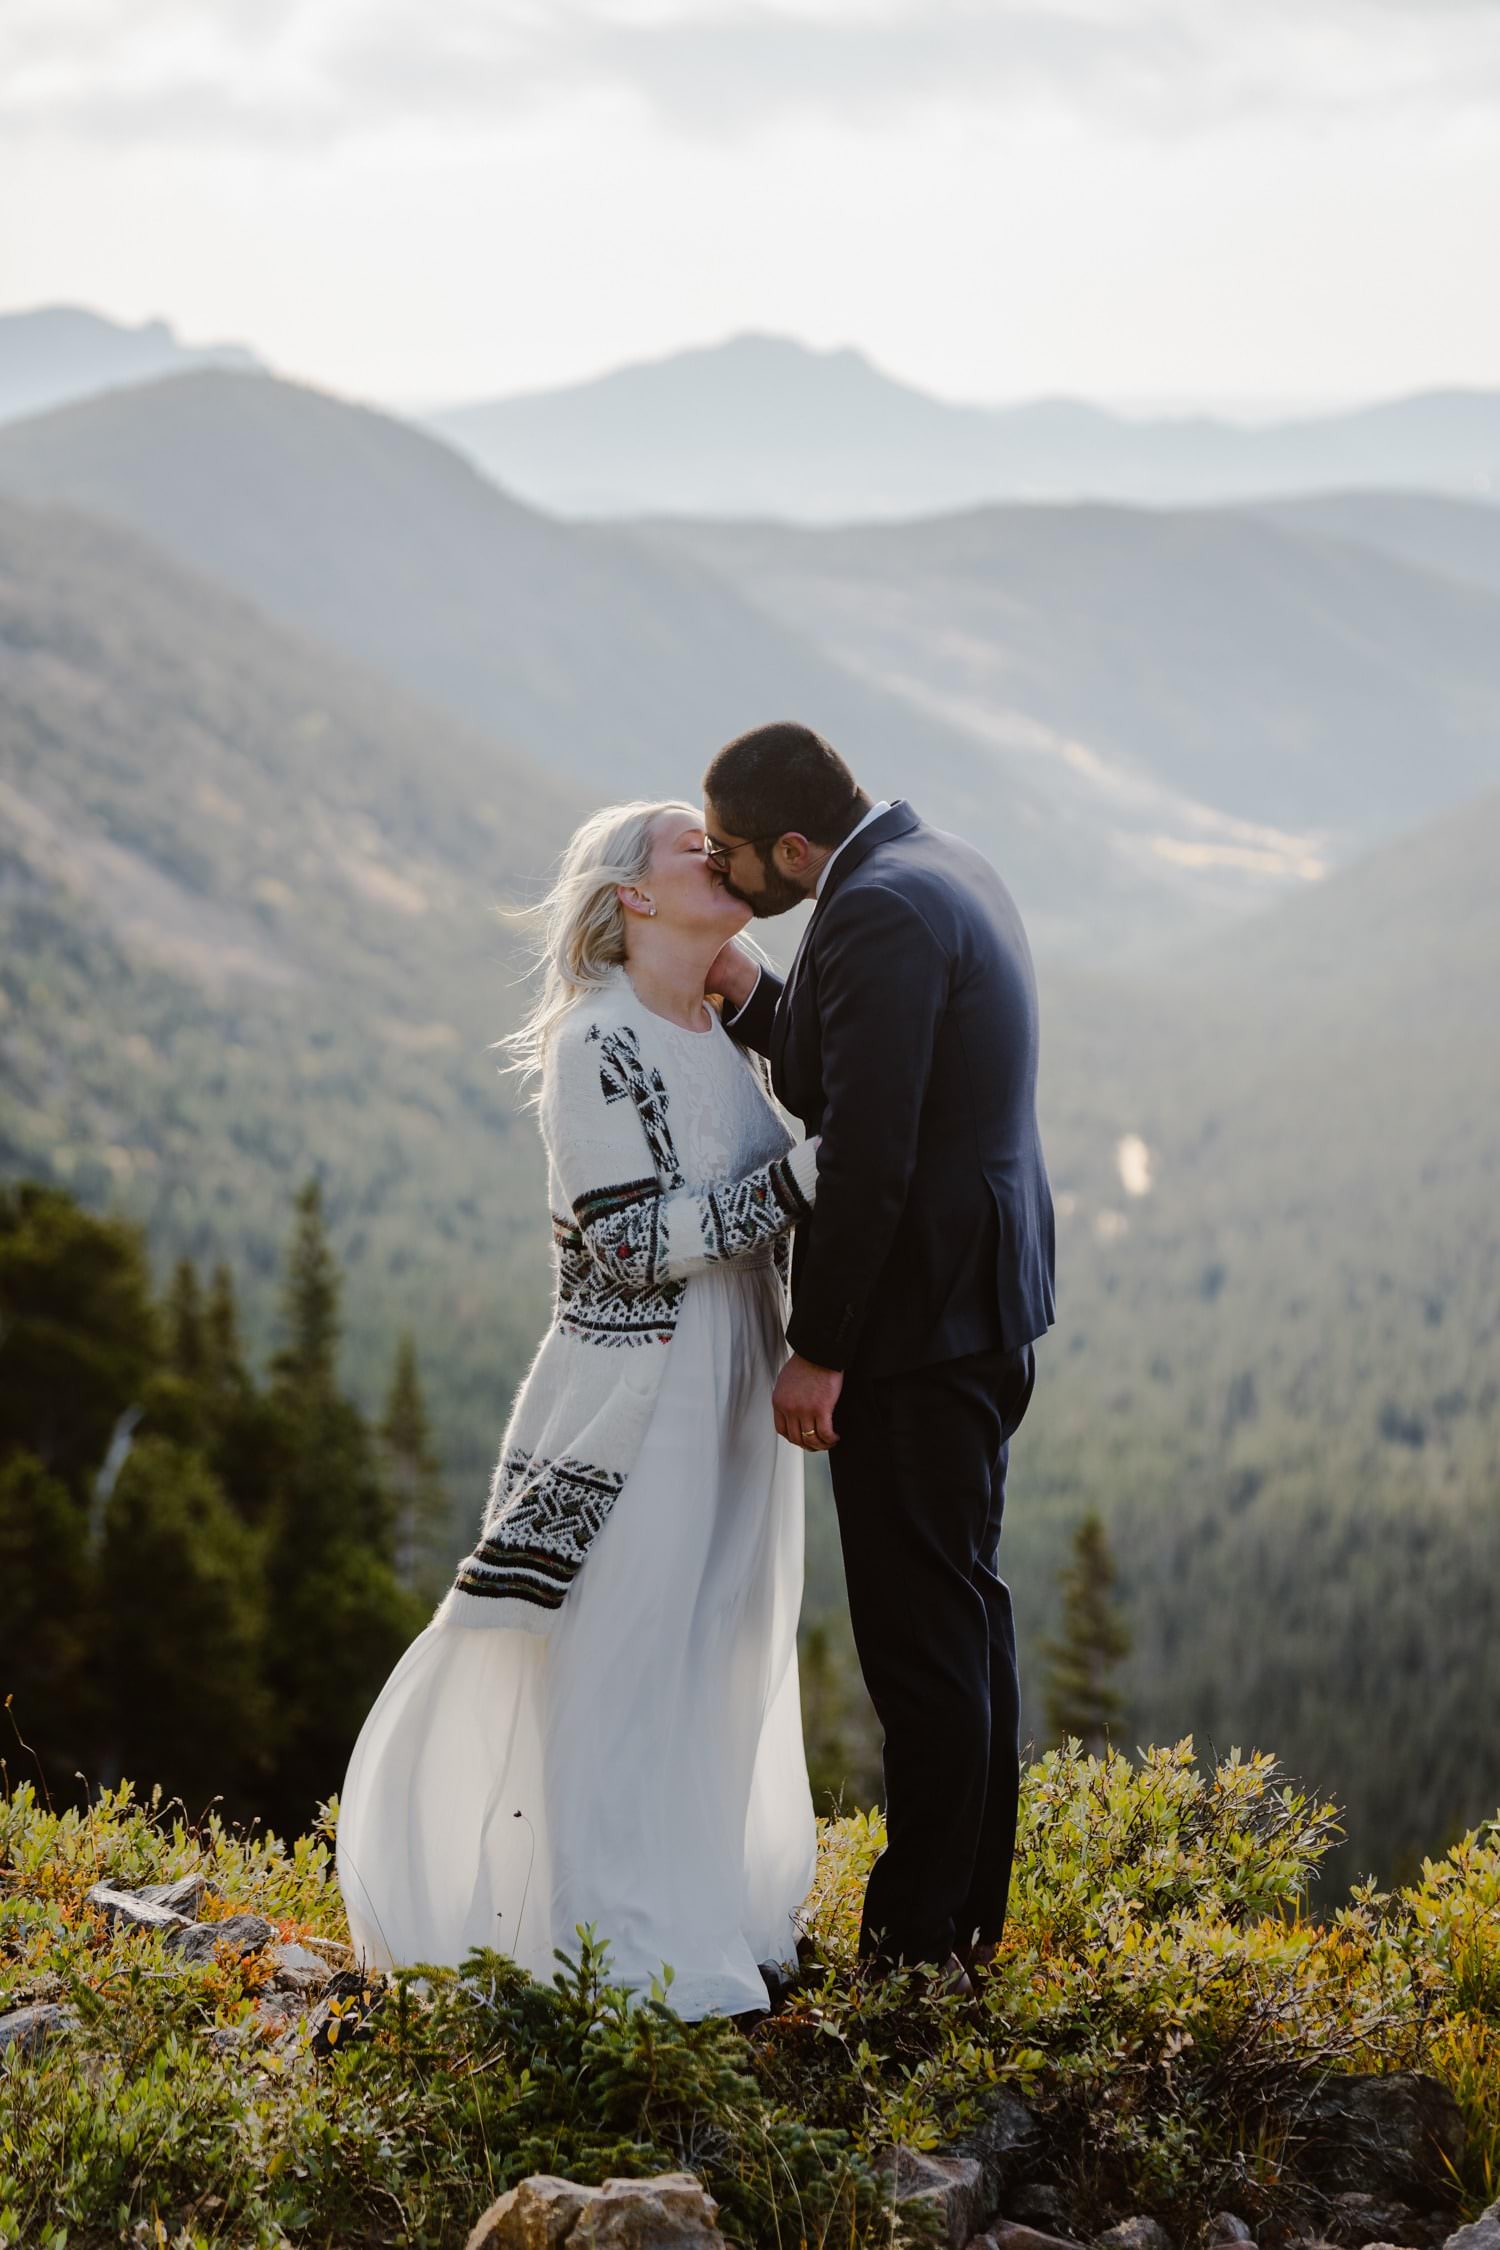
(26, 2030)
(1006, 2143)
(1357, 2221)
(184, 1896)
(242, 1933)
(1482, 2233)
(130, 1906)
(295, 1969)
(672, 2211)
(1138, 2233)
(952, 2186)
(1010, 2234)
(537, 2215)
(1400, 2136)
(669, 2211)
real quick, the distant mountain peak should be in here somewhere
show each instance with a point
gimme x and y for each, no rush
(53, 354)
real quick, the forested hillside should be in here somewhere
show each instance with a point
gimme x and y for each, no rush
(247, 931)
(1148, 721)
(1277, 1367)
(1200, 677)
(622, 669)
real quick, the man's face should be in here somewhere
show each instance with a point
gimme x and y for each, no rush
(747, 867)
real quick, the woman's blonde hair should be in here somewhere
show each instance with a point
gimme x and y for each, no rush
(580, 924)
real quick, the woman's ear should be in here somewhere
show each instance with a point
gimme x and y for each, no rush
(633, 900)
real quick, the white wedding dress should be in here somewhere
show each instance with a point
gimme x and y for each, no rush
(641, 1765)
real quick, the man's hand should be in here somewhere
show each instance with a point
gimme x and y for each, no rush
(803, 1403)
(733, 973)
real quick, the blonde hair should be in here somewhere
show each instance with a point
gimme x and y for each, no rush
(581, 923)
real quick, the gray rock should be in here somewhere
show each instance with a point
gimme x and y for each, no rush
(334, 1948)
(242, 1933)
(1358, 2221)
(670, 2211)
(185, 1896)
(1400, 2136)
(1138, 2233)
(1040, 2204)
(1006, 2142)
(297, 1970)
(1225, 2226)
(130, 1906)
(1009, 2234)
(952, 2186)
(1482, 2233)
(27, 2030)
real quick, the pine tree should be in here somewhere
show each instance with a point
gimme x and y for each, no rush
(413, 1478)
(46, 1664)
(187, 1334)
(80, 1331)
(337, 1616)
(180, 1633)
(1081, 1698)
(226, 1361)
(310, 1303)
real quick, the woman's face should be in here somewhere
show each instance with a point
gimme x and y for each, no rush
(687, 893)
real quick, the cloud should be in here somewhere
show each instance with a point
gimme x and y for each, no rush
(314, 71)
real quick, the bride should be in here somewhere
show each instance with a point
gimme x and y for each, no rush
(601, 1722)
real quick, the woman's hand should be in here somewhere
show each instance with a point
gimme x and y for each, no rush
(733, 972)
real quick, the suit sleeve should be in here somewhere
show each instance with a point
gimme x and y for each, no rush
(751, 1024)
(882, 988)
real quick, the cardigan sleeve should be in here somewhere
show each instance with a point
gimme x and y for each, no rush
(603, 1115)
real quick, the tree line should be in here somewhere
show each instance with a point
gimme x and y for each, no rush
(204, 1576)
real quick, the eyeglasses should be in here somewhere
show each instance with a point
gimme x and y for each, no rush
(719, 855)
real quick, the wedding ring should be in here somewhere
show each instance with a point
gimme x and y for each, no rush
(809, 1433)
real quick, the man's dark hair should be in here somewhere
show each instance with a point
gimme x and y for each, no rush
(784, 779)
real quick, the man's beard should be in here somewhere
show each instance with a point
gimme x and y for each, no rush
(778, 897)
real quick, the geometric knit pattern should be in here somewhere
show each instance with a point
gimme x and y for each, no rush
(627, 1232)
(553, 1509)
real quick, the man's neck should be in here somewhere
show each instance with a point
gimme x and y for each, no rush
(863, 806)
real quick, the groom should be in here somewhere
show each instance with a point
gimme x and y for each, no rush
(906, 1035)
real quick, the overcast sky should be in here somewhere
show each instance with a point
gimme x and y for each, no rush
(428, 199)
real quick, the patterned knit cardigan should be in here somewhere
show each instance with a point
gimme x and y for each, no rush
(627, 1232)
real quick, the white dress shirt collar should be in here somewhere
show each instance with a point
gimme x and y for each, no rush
(874, 813)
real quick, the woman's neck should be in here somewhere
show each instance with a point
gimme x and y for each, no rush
(669, 980)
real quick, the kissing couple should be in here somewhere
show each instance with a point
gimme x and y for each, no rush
(601, 1723)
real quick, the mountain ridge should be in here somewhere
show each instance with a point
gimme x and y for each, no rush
(764, 425)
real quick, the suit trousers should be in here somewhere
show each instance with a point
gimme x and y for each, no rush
(919, 1484)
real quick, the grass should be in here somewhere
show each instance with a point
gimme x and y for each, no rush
(1162, 1993)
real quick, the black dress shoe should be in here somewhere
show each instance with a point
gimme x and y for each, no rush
(781, 1979)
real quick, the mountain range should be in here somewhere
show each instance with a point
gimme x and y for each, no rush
(1146, 717)
(291, 700)
(1240, 689)
(763, 426)
(62, 352)
(247, 931)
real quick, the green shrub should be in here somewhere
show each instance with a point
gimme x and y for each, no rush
(1161, 1988)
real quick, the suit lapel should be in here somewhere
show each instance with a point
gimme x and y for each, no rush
(898, 820)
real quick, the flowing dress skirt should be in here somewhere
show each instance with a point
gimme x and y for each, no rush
(641, 1766)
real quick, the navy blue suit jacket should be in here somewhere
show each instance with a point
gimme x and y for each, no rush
(907, 1036)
